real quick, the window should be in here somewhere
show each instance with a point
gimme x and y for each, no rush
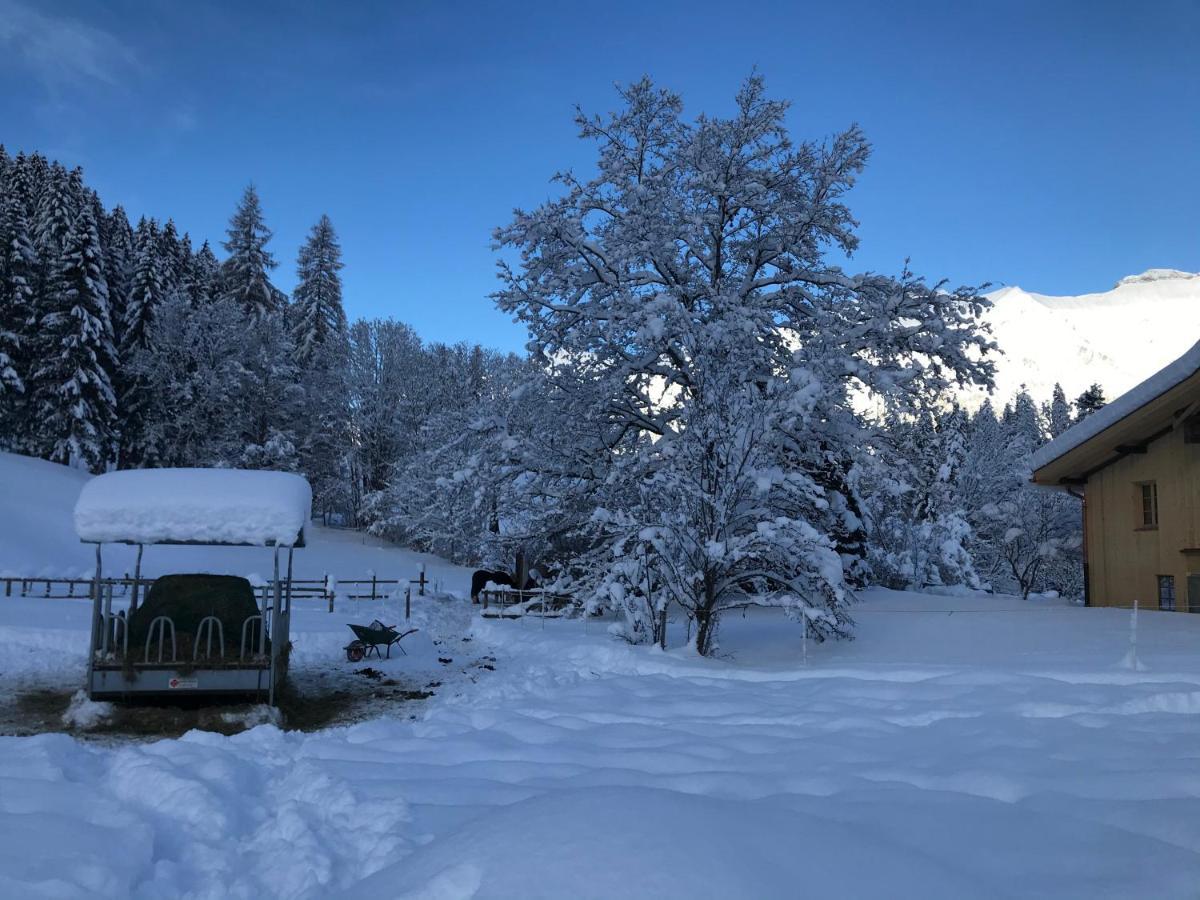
(1149, 491)
(1191, 430)
(1166, 591)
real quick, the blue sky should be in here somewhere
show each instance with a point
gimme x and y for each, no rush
(1051, 145)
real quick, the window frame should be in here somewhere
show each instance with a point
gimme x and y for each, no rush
(1171, 598)
(1147, 505)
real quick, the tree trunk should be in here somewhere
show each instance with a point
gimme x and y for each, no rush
(706, 631)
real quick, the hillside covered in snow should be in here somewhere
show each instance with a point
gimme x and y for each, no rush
(1116, 338)
(38, 540)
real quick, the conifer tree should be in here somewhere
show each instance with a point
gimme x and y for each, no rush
(146, 295)
(146, 288)
(1058, 413)
(317, 311)
(1089, 401)
(57, 206)
(116, 237)
(245, 274)
(18, 269)
(73, 395)
(201, 280)
(320, 339)
(173, 253)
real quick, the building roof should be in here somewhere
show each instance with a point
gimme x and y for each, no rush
(1124, 426)
(194, 506)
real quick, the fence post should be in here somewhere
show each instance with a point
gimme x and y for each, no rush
(407, 604)
(804, 659)
(7, 587)
(1131, 660)
(372, 585)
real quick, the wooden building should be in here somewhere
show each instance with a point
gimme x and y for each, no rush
(1136, 465)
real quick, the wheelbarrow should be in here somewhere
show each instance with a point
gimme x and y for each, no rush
(369, 638)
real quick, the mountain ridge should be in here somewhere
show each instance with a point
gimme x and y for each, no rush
(1116, 338)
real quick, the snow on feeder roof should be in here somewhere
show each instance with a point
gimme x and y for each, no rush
(194, 506)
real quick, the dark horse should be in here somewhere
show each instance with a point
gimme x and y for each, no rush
(483, 576)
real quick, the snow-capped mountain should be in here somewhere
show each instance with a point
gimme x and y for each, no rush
(1117, 338)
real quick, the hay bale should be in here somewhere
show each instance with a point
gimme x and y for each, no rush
(187, 599)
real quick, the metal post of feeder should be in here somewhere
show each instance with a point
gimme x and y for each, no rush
(137, 580)
(96, 588)
(277, 599)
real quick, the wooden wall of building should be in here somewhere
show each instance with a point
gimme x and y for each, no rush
(1125, 559)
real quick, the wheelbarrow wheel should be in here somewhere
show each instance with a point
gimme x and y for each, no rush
(355, 651)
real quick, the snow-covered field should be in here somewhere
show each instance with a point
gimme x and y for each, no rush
(962, 746)
(998, 751)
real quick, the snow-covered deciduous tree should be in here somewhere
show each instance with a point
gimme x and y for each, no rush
(1037, 531)
(194, 360)
(696, 257)
(1023, 538)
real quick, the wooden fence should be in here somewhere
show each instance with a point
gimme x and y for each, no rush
(372, 588)
(513, 604)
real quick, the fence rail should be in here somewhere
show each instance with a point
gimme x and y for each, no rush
(302, 588)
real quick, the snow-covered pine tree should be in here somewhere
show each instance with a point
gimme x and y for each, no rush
(920, 534)
(319, 336)
(57, 206)
(146, 295)
(695, 259)
(202, 280)
(117, 240)
(174, 253)
(18, 271)
(1058, 413)
(1025, 423)
(317, 314)
(1089, 401)
(1025, 538)
(245, 273)
(146, 290)
(72, 394)
(20, 275)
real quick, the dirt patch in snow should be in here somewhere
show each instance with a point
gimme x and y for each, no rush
(307, 706)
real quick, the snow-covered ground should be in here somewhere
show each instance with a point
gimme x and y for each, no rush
(998, 750)
(961, 746)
